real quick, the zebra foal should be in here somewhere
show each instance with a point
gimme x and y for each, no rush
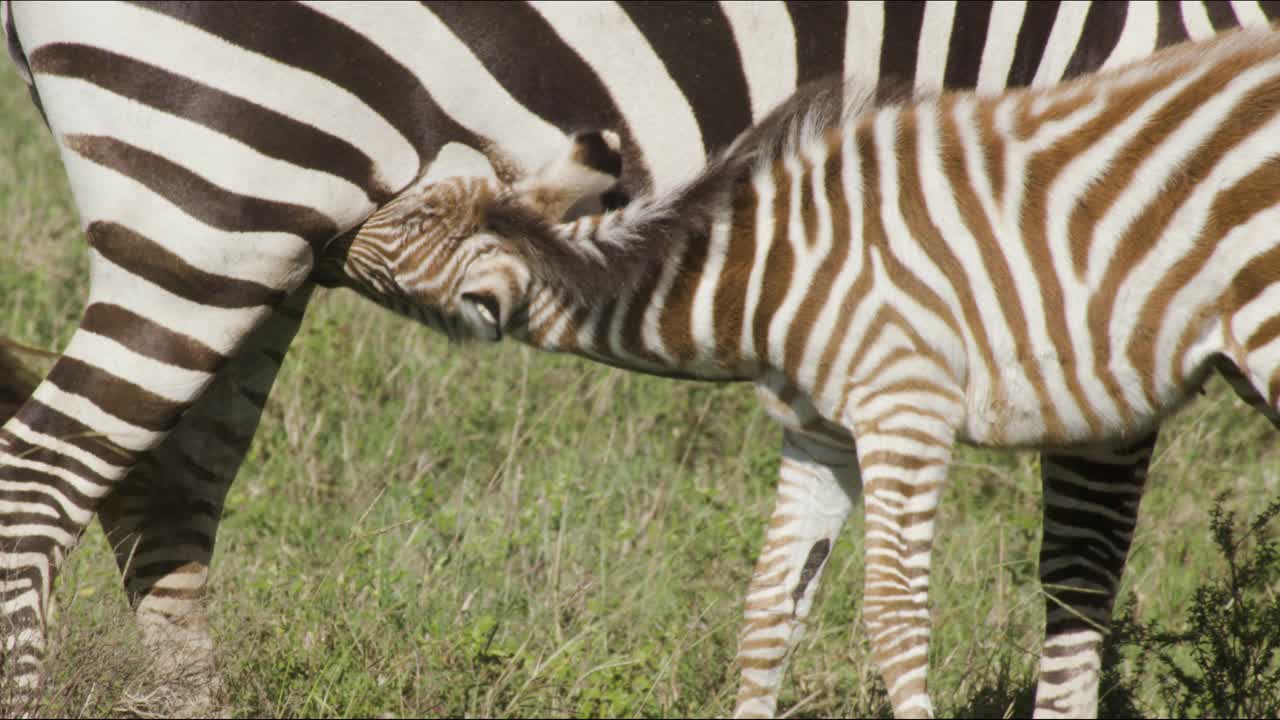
(1048, 268)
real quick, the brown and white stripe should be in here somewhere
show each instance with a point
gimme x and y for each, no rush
(1055, 267)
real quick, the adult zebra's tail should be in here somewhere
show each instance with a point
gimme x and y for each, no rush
(17, 382)
(19, 59)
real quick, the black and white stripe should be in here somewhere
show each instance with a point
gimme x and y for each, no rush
(213, 149)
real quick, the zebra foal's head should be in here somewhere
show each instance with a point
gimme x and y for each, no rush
(429, 254)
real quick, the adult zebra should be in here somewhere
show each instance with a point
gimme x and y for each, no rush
(213, 149)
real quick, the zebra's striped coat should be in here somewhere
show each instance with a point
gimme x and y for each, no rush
(1057, 267)
(212, 152)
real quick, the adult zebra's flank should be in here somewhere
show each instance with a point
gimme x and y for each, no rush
(1055, 267)
(213, 149)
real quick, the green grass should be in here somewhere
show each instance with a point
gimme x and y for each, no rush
(426, 529)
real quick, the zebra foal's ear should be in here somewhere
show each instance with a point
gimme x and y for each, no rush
(589, 166)
(599, 150)
(522, 221)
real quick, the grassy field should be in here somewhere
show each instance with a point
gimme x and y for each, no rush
(426, 529)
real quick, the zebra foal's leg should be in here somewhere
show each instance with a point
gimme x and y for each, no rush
(905, 434)
(817, 484)
(162, 521)
(154, 333)
(1091, 502)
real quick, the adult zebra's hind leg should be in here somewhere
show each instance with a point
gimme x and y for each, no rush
(162, 521)
(1090, 510)
(817, 484)
(153, 335)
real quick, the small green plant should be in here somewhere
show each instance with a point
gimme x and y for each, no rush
(1226, 662)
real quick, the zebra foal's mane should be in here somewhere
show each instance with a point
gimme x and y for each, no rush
(631, 242)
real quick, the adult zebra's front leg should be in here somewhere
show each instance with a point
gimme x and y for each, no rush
(1091, 502)
(162, 520)
(157, 328)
